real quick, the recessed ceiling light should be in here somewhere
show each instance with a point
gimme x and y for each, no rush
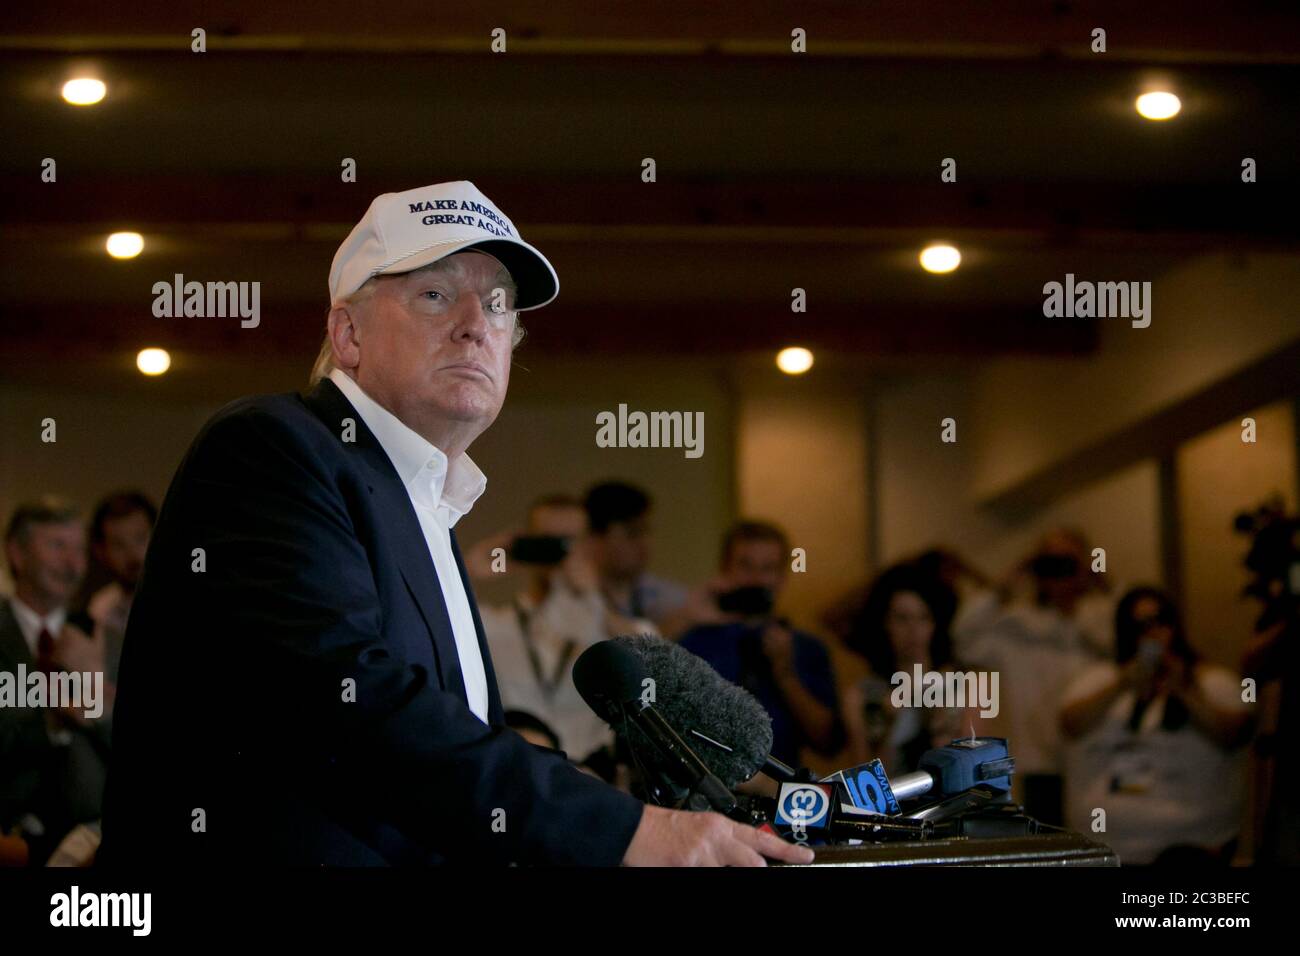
(124, 245)
(940, 258)
(1158, 105)
(794, 360)
(153, 361)
(84, 91)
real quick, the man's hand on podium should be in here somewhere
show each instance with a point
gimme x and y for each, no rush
(680, 838)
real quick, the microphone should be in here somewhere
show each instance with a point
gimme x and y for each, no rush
(810, 813)
(613, 681)
(960, 766)
(726, 722)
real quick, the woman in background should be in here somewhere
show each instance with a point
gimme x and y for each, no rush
(904, 622)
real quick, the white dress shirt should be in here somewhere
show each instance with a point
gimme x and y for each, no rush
(441, 493)
(30, 623)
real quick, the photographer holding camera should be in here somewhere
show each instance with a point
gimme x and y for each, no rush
(1147, 730)
(787, 670)
(1051, 620)
(552, 619)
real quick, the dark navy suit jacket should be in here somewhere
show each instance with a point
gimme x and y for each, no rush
(290, 690)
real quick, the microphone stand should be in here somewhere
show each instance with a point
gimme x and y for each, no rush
(703, 789)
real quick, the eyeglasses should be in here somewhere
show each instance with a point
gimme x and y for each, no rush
(502, 320)
(499, 317)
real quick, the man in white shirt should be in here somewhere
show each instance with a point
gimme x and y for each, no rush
(557, 615)
(317, 553)
(1038, 642)
(441, 493)
(45, 547)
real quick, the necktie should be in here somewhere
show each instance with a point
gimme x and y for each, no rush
(45, 651)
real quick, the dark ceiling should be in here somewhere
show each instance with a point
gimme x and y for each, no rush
(775, 170)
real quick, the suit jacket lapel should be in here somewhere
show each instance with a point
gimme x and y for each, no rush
(13, 647)
(403, 532)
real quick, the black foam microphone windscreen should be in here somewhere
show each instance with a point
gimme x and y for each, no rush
(608, 675)
(694, 699)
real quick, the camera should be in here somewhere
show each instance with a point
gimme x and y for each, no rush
(540, 549)
(1274, 560)
(747, 601)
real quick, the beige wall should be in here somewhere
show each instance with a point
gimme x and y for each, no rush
(1219, 475)
(927, 497)
(801, 461)
(1209, 318)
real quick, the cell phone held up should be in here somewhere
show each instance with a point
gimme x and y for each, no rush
(539, 549)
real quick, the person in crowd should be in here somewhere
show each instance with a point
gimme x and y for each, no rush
(53, 760)
(960, 581)
(1038, 633)
(119, 537)
(557, 614)
(904, 623)
(1270, 659)
(1271, 833)
(1156, 737)
(788, 670)
(618, 516)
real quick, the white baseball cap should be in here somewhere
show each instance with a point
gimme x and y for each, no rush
(407, 230)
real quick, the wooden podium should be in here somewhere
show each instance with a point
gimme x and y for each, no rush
(1044, 849)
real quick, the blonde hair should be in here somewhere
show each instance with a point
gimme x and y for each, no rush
(325, 357)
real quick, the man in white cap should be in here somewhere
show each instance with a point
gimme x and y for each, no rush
(304, 678)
